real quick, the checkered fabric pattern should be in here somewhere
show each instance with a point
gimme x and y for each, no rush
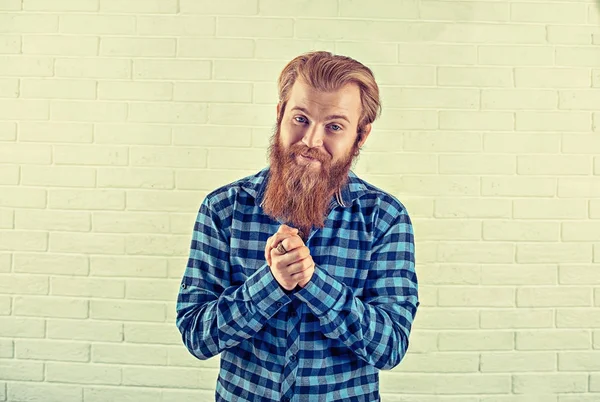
(325, 342)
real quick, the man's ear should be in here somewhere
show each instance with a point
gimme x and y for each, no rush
(366, 132)
(278, 108)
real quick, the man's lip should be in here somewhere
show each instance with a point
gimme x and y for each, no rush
(308, 158)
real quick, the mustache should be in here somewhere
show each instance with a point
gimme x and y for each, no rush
(303, 150)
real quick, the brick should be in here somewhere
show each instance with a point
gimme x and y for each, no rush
(80, 287)
(161, 377)
(52, 350)
(550, 253)
(283, 49)
(53, 264)
(247, 115)
(579, 99)
(96, 111)
(554, 296)
(97, 24)
(23, 284)
(172, 69)
(480, 340)
(474, 77)
(580, 231)
(244, 158)
(490, 33)
(574, 56)
(120, 90)
(79, 373)
(55, 132)
(476, 120)
(465, 11)
(159, 112)
(434, 229)
(93, 68)
(9, 87)
(519, 318)
(554, 383)
(85, 330)
(476, 252)
(433, 98)
(23, 109)
(138, 222)
(436, 54)
(5, 305)
(429, 383)
(58, 176)
(517, 362)
(56, 45)
(234, 7)
(550, 209)
(9, 174)
(571, 13)
(23, 240)
(522, 274)
(127, 310)
(181, 357)
(212, 136)
(247, 70)
(579, 187)
(448, 319)
(147, 289)
(596, 78)
(129, 354)
(122, 394)
(176, 25)
(594, 209)
(13, 327)
(577, 318)
(554, 339)
(168, 157)
(181, 223)
(503, 55)
(25, 66)
(477, 164)
(574, 274)
(60, 5)
(153, 333)
(571, 35)
(8, 131)
(135, 178)
(521, 231)
(58, 89)
(213, 92)
(10, 5)
(207, 179)
(578, 397)
(6, 351)
(216, 47)
(28, 23)
(382, 163)
(384, 141)
(581, 144)
(86, 243)
(18, 370)
(451, 274)
(369, 52)
(90, 155)
(518, 186)
(552, 165)
(50, 307)
(139, 6)
(444, 362)
(472, 208)
(157, 245)
(476, 296)
(511, 99)
(399, 119)
(23, 197)
(10, 44)
(87, 199)
(437, 186)
(551, 77)
(138, 47)
(145, 267)
(132, 133)
(42, 392)
(5, 260)
(579, 361)
(26, 154)
(553, 121)
(327, 8)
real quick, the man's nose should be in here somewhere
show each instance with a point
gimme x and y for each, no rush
(313, 137)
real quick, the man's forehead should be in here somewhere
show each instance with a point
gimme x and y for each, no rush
(344, 101)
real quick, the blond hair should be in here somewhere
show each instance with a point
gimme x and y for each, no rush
(327, 72)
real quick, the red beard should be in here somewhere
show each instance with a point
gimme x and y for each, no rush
(300, 195)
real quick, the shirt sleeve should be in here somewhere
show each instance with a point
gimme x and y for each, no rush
(376, 326)
(213, 315)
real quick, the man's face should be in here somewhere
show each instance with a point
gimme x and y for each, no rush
(320, 127)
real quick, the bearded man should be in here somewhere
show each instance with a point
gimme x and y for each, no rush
(302, 277)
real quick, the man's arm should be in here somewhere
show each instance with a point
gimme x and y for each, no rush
(375, 327)
(212, 315)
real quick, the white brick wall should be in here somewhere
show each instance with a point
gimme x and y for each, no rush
(118, 116)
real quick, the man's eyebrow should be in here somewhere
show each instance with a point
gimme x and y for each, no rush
(330, 117)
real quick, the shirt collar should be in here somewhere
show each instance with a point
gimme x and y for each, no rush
(353, 189)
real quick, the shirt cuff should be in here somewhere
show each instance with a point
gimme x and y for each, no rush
(265, 292)
(321, 293)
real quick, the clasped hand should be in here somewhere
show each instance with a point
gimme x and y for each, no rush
(296, 266)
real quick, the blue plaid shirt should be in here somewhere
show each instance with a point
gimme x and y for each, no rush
(325, 342)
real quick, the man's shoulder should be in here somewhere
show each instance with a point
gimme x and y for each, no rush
(249, 185)
(370, 195)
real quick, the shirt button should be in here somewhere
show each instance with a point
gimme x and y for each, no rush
(293, 358)
(279, 304)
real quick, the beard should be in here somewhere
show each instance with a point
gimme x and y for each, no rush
(300, 195)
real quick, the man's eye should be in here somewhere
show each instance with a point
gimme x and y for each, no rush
(333, 126)
(301, 118)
